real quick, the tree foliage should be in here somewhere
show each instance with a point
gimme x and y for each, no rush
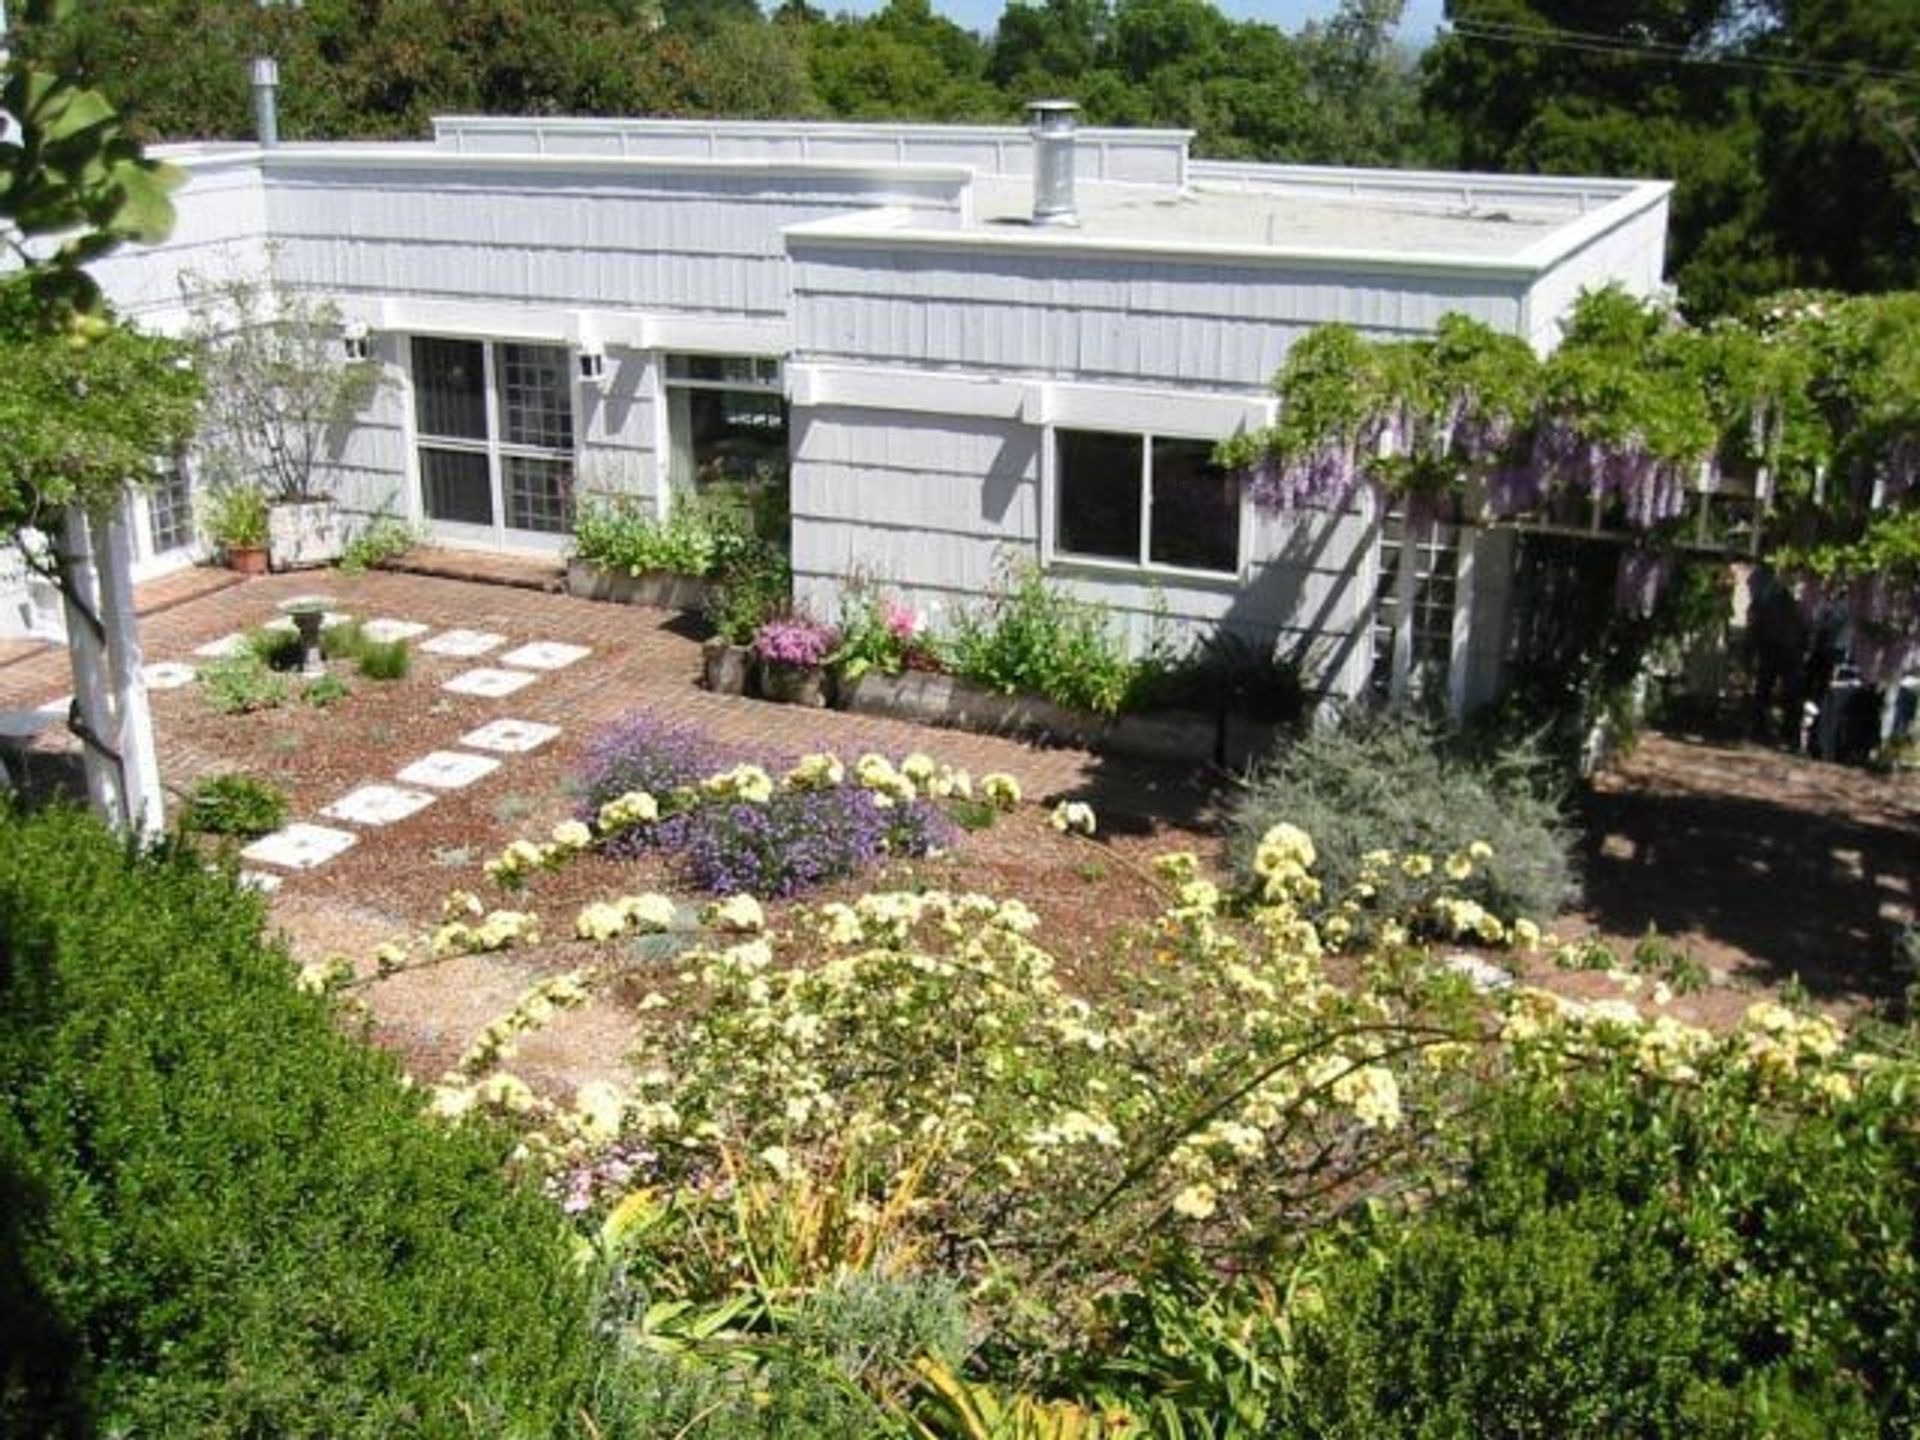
(1787, 125)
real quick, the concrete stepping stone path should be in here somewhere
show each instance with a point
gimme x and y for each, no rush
(545, 655)
(167, 675)
(462, 644)
(448, 770)
(489, 683)
(509, 737)
(299, 846)
(226, 645)
(378, 805)
(386, 630)
(259, 880)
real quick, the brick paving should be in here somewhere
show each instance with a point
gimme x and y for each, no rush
(639, 656)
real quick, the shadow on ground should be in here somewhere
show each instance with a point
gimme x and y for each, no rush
(1764, 864)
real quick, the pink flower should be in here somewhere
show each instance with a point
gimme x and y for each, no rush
(901, 622)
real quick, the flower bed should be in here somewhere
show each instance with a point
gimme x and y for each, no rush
(727, 828)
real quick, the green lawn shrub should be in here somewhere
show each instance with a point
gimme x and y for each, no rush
(1635, 1260)
(235, 805)
(1393, 782)
(223, 1216)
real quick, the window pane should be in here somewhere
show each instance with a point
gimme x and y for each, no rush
(456, 486)
(536, 403)
(1196, 508)
(724, 369)
(1099, 502)
(449, 388)
(170, 510)
(538, 493)
(729, 439)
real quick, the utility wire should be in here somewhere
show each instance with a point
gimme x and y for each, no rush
(1669, 52)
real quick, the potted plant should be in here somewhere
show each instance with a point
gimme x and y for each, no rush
(753, 590)
(282, 391)
(792, 653)
(235, 517)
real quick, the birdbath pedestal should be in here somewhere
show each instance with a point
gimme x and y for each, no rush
(309, 613)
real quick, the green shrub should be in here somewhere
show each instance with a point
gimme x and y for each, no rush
(1394, 783)
(699, 536)
(275, 646)
(325, 690)
(1034, 637)
(1627, 1259)
(223, 1216)
(235, 805)
(381, 539)
(384, 659)
(241, 683)
(755, 586)
(235, 516)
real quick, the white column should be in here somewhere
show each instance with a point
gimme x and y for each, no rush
(86, 653)
(1460, 641)
(139, 764)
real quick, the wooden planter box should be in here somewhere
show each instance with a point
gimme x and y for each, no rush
(659, 589)
(795, 684)
(304, 533)
(1178, 736)
(725, 667)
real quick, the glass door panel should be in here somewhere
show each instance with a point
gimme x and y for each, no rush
(457, 485)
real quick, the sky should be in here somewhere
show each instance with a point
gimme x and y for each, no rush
(1423, 16)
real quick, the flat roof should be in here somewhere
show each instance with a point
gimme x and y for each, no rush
(1243, 218)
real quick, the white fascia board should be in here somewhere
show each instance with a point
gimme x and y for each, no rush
(860, 233)
(626, 329)
(1132, 409)
(291, 158)
(1576, 235)
(640, 125)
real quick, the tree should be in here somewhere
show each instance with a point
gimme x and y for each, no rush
(86, 404)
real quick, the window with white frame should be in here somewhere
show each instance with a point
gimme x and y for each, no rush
(1150, 500)
(494, 422)
(726, 423)
(169, 509)
(1413, 604)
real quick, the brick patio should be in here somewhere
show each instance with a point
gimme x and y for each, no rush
(640, 656)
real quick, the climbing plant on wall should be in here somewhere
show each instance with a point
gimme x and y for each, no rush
(1792, 434)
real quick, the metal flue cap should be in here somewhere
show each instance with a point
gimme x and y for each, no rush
(1051, 123)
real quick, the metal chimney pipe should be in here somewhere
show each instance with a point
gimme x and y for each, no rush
(1052, 123)
(266, 108)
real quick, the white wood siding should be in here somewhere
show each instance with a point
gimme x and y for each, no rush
(699, 241)
(1190, 324)
(219, 232)
(1632, 254)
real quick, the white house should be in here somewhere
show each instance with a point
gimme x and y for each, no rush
(944, 377)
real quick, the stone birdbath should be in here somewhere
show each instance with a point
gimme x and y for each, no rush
(309, 614)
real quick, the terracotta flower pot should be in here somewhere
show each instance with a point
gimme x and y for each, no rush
(247, 559)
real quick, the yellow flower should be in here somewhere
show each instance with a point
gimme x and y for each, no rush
(1526, 935)
(649, 913)
(1073, 817)
(1459, 867)
(739, 913)
(1480, 850)
(572, 835)
(1000, 790)
(600, 921)
(1372, 1094)
(599, 1108)
(1417, 867)
(1196, 1202)
(1282, 850)
(1177, 866)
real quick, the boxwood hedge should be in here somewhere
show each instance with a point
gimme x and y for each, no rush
(220, 1214)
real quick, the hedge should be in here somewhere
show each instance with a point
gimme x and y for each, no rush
(222, 1215)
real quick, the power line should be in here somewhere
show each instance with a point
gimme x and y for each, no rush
(1669, 52)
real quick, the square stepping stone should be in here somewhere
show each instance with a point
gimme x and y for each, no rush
(299, 846)
(489, 683)
(167, 675)
(58, 707)
(386, 630)
(226, 645)
(545, 655)
(510, 737)
(377, 805)
(448, 770)
(259, 880)
(463, 644)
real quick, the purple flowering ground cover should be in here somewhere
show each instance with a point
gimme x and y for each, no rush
(797, 840)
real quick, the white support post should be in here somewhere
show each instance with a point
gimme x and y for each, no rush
(139, 764)
(86, 652)
(1460, 641)
(1404, 578)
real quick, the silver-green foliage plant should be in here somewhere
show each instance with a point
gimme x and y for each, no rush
(1395, 784)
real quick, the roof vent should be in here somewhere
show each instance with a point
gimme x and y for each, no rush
(266, 109)
(1051, 123)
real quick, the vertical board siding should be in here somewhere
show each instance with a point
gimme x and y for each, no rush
(1198, 324)
(220, 231)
